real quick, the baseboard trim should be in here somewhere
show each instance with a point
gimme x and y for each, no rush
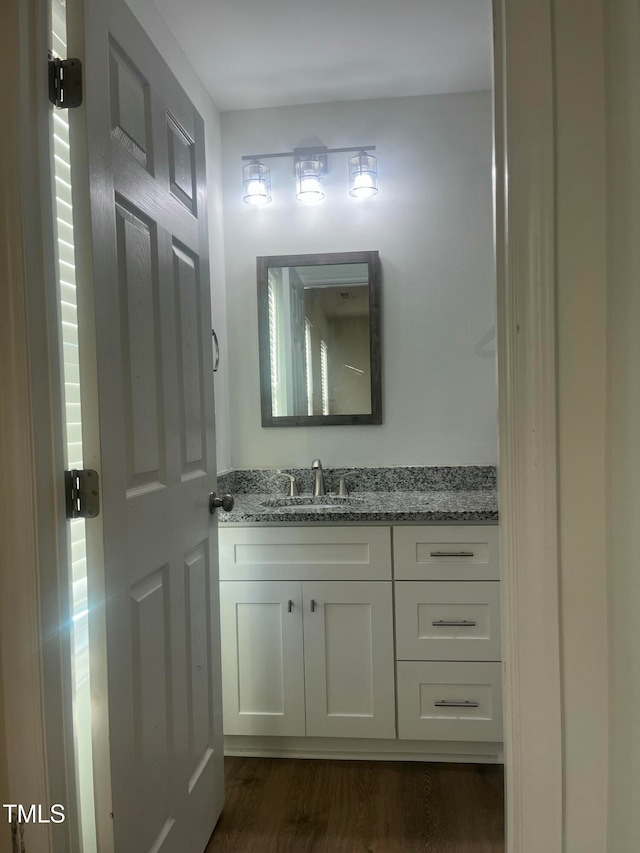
(363, 749)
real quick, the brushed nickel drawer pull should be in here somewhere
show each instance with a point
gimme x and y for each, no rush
(452, 623)
(465, 704)
(452, 554)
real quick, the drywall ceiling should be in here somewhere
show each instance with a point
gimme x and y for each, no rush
(264, 53)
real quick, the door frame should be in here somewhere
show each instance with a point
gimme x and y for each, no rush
(524, 128)
(35, 666)
(525, 257)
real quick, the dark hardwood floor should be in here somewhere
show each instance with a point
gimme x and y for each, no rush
(289, 806)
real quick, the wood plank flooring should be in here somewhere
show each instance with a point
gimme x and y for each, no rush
(276, 805)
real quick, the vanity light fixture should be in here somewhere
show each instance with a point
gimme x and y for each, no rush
(363, 175)
(256, 182)
(310, 167)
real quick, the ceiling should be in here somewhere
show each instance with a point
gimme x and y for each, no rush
(264, 53)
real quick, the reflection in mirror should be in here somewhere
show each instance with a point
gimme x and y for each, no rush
(320, 339)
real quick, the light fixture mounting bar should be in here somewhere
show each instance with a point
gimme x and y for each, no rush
(346, 150)
(311, 149)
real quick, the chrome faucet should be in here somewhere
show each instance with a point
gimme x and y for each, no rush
(319, 487)
(293, 485)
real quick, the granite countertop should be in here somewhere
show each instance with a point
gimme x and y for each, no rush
(430, 506)
(391, 495)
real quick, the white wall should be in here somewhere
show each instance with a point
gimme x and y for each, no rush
(623, 103)
(432, 223)
(148, 15)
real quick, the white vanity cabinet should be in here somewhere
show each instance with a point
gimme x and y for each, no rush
(304, 654)
(362, 641)
(448, 633)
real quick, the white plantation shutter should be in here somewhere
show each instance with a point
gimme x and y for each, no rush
(324, 376)
(308, 359)
(273, 346)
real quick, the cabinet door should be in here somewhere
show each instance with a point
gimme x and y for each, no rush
(262, 658)
(348, 653)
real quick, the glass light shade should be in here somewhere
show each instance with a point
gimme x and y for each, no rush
(309, 181)
(256, 182)
(363, 175)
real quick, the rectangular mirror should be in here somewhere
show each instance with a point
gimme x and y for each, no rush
(319, 330)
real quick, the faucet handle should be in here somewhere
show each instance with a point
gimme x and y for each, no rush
(293, 485)
(342, 488)
(316, 464)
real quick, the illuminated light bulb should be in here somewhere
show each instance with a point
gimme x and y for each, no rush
(309, 181)
(363, 175)
(256, 183)
(363, 186)
(255, 193)
(310, 190)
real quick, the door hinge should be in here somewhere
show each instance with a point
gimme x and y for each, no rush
(65, 82)
(83, 493)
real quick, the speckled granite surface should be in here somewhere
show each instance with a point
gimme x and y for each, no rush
(452, 494)
(408, 479)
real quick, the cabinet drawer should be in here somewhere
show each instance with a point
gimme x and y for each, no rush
(448, 621)
(446, 553)
(449, 701)
(305, 553)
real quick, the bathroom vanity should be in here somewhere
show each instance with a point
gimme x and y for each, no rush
(361, 628)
